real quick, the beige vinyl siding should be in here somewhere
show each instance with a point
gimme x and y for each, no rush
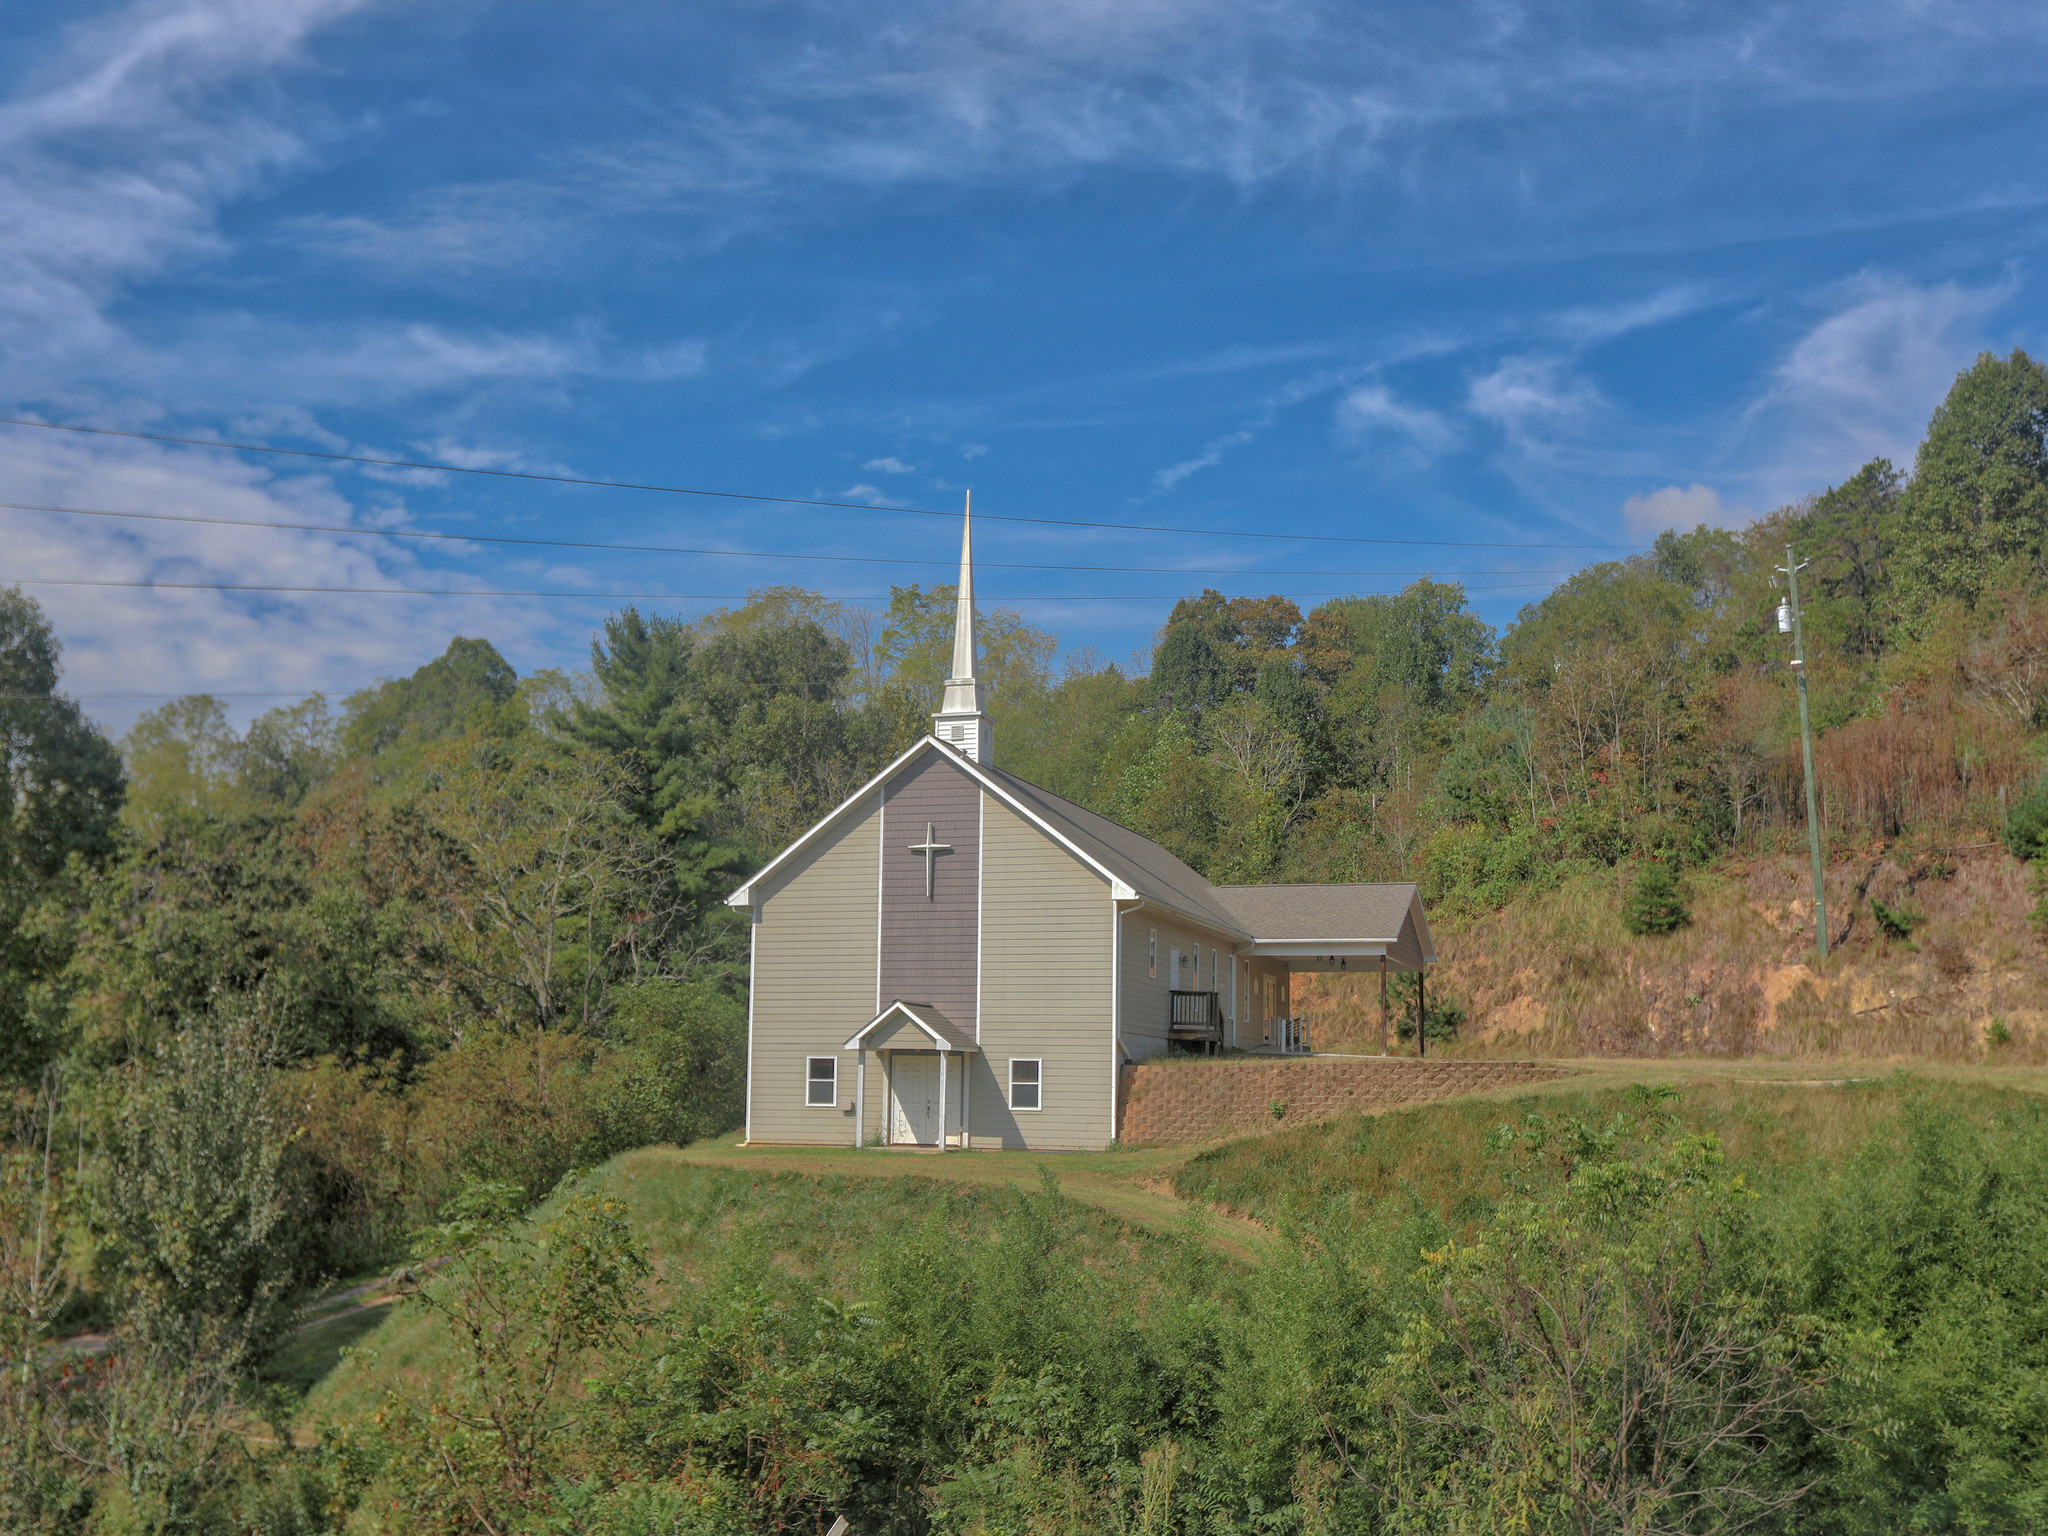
(1045, 989)
(1147, 1010)
(814, 980)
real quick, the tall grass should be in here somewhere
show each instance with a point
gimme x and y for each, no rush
(1434, 1157)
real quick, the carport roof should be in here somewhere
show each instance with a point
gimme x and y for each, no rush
(1387, 912)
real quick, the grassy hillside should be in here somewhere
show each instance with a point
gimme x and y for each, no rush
(1555, 973)
(1364, 1170)
(706, 1228)
(956, 1344)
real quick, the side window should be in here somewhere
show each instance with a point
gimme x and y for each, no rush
(1024, 1083)
(1152, 952)
(821, 1086)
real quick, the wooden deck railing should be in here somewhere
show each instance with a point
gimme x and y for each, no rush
(1196, 1016)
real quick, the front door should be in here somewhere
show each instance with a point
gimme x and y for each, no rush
(914, 1114)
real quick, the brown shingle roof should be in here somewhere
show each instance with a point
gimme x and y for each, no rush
(1371, 914)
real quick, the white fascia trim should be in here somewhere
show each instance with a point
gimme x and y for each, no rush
(1424, 940)
(937, 1039)
(1301, 949)
(744, 896)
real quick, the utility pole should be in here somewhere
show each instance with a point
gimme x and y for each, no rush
(1789, 622)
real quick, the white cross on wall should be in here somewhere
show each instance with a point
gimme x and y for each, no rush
(931, 848)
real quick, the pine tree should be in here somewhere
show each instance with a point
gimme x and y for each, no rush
(1655, 902)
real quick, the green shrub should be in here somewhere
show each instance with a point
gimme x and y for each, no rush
(1656, 903)
(2026, 825)
(1894, 922)
(1446, 1013)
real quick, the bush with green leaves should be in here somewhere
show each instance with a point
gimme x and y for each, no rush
(1612, 1354)
(2025, 832)
(489, 1445)
(1656, 901)
(197, 1196)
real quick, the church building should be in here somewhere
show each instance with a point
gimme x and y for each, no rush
(956, 958)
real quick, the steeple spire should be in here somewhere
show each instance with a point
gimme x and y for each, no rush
(963, 608)
(960, 721)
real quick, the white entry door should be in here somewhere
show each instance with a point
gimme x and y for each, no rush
(914, 1114)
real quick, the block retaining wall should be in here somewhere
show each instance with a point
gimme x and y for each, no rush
(1174, 1103)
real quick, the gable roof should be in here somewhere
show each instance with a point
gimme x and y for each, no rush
(940, 1030)
(1383, 912)
(1134, 865)
(1359, 914)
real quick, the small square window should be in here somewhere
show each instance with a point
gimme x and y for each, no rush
(1024, 1083)
(821, 1091)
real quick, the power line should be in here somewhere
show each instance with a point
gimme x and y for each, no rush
(737, 554)
(791, 501)
(103, 698)
(613, 597)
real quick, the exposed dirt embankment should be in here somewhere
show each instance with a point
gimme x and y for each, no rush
(1557, 972)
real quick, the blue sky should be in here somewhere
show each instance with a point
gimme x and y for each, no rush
(1464, 272)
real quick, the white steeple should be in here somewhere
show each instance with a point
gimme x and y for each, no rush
(960, 720)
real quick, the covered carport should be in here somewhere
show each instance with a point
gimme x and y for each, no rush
(1376, 929)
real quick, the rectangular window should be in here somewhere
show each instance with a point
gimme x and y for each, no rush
(1152, 952)
(1024, 1083)
(821, 1090)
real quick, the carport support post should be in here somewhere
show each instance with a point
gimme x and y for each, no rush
(1383, 1005)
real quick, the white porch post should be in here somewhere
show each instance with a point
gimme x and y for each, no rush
(942, 1099)
(1233, 999)
(860, 1098)
(966, 1103)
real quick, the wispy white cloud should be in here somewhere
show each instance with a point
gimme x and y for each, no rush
(889, 466)
(125, 641)
(1861, 382)
(1531, 398)
(1375, 408)
(1211, 455)
(1683, 508)
(777, 122)
(1219, 447)
(116, 158)
(874, 495)
(1603, 322)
